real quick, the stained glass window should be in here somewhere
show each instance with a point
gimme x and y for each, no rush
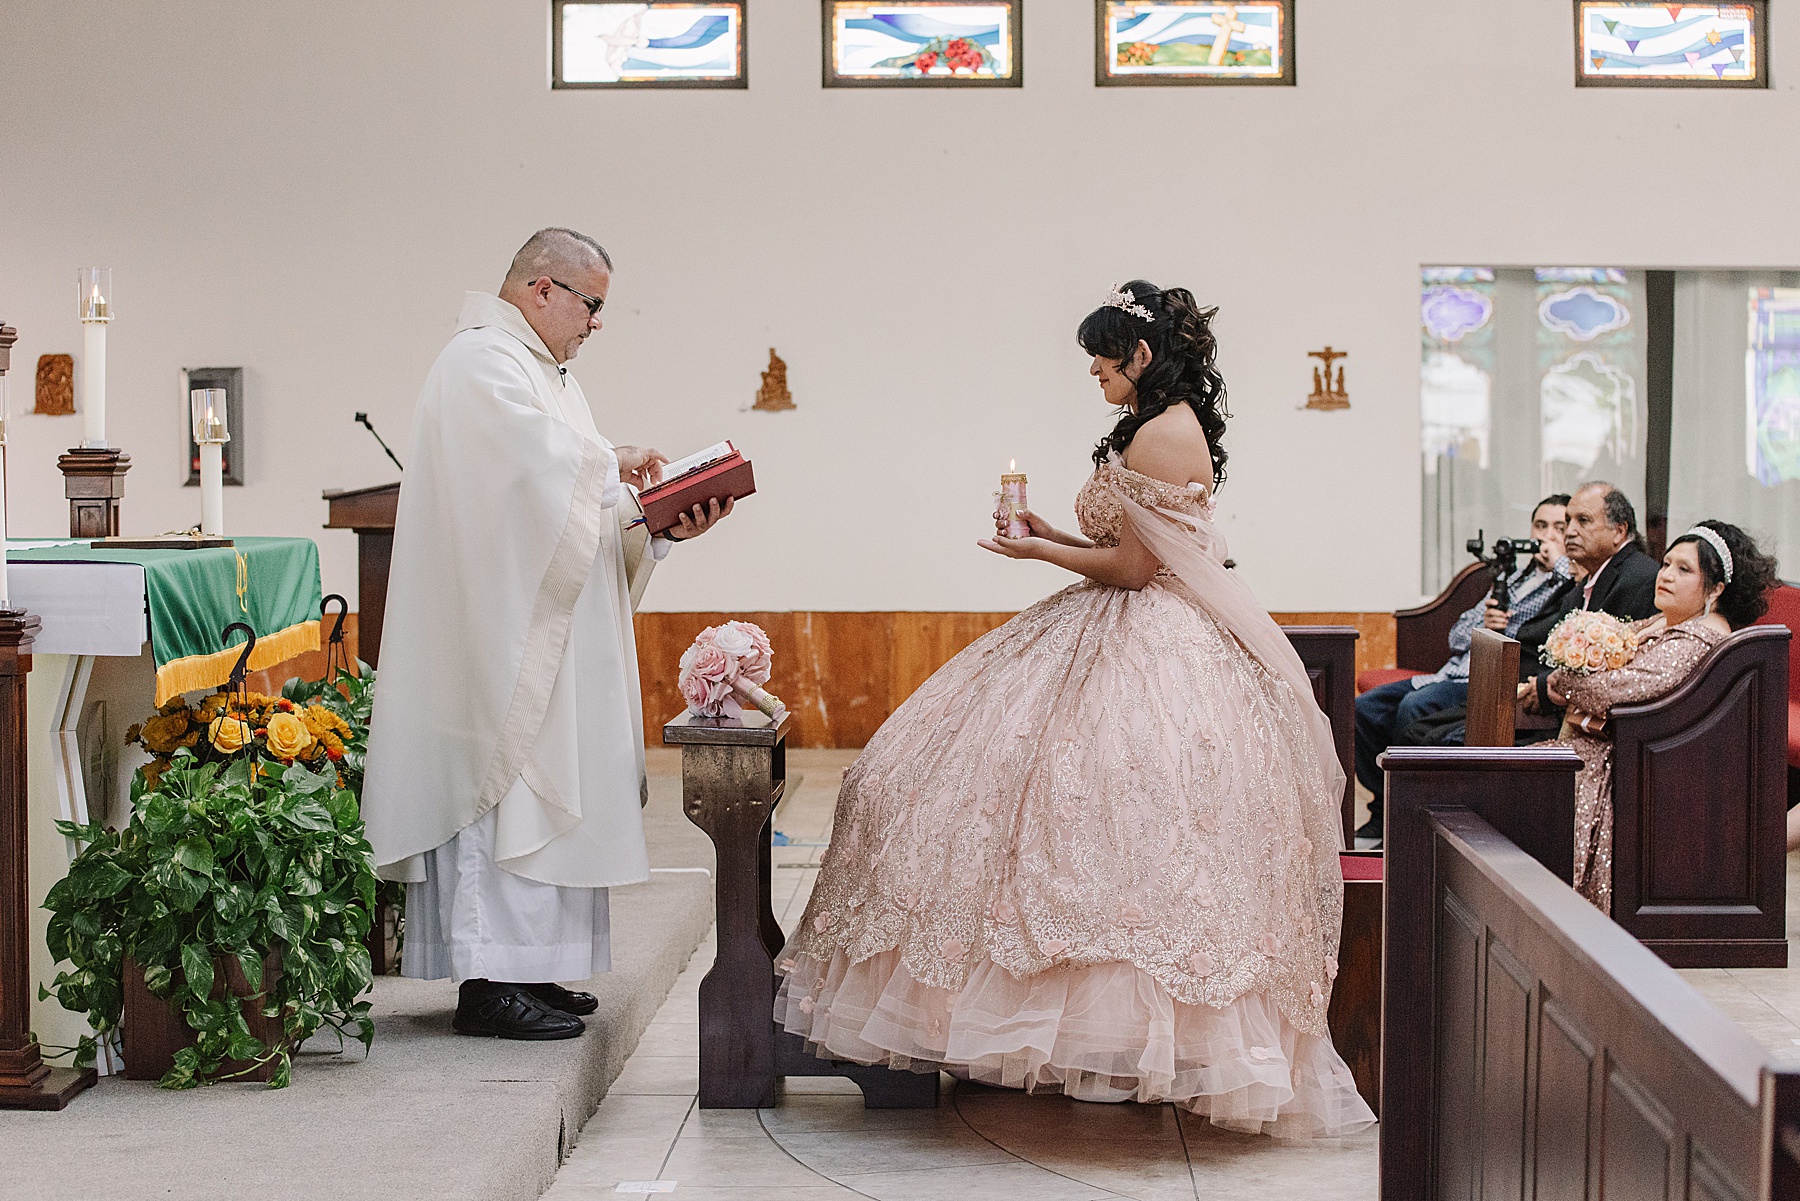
(1194, 41)
(922, 44)
(1530, 382)
(683, 45)
(1772, 386)
(1671, 45)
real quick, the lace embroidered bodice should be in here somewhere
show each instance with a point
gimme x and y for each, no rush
(1101, 515)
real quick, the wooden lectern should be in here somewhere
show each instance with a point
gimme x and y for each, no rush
(370, 512)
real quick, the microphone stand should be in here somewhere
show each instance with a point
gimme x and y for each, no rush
(362, 419)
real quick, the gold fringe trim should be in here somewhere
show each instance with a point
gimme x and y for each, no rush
(195, 672)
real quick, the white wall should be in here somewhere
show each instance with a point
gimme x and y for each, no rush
(305, 190)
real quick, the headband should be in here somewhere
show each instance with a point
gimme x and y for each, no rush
(1711, 538)
(1123, 299)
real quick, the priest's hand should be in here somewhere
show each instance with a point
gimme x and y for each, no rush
(640, 466)
(699, 520)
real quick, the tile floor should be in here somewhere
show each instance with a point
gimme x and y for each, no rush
(1764, 1001)
(819, 1142)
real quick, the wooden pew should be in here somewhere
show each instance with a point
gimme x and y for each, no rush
(1329, 654)
(1531, 1047)
(1422, 635)
(1700, 810)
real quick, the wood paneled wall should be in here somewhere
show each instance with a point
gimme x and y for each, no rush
(842, 674)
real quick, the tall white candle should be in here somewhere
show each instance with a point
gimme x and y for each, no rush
(5, 594)
(96, 311)
(210, 435)
(212, 489)
(93, 383)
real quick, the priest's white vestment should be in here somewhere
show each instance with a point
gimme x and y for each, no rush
(505, 770)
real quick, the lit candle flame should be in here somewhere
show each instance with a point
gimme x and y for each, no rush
(1012, 466)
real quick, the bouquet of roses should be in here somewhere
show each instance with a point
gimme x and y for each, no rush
(726, 666)
(1588, 640)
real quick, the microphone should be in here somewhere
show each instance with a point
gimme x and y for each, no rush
(362, 419)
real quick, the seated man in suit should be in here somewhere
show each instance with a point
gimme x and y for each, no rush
(1617, 577)
(1538, 583)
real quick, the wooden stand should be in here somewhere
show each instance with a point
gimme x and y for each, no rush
(370, 512)
(94, 482)
(26, 1081)
(733, 771)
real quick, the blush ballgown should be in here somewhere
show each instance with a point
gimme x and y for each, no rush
(1096, 853)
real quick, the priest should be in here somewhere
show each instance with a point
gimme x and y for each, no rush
(505, 770)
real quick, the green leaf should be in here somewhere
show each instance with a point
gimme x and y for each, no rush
(197, 966)
(159, 979)
(195, 854)
(252, 967)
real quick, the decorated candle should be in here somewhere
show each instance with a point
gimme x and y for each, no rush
(96, 311)
(1012, 502)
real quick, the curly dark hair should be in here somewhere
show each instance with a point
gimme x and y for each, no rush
(1182, 366)
(1746, 597)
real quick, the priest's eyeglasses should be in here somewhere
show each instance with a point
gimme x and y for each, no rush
(593, 305)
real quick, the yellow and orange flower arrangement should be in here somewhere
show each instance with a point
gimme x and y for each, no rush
(223, 726)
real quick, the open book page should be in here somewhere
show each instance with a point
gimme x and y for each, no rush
(697, 461)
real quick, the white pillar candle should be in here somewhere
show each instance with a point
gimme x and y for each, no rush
(96, 310)
(212, 489)
(5, 594)
(93, 383)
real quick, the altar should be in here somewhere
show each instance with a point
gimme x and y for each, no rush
(123, 632)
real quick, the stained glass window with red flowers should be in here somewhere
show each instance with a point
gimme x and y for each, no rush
(926, 43)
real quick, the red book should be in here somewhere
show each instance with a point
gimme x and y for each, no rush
(717, 473)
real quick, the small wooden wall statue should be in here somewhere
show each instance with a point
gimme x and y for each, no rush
(55, 385)
(774, 396)
(1324, 395)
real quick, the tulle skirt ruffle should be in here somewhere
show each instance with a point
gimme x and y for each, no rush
(1108, 1032)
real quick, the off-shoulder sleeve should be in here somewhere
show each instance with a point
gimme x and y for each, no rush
(1153, 493)
(1657, 670)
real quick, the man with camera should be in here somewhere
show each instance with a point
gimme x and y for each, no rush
(1520, 593)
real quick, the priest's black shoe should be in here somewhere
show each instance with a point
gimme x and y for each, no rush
(493, 1009)
(565, 1000)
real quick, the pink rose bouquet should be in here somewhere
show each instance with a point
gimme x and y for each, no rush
(1588, 640)
(727, 666)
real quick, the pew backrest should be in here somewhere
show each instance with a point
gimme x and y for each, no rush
(1422, 635)
(1700, 809)
(1493, 689)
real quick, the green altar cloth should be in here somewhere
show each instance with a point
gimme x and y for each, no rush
(270, 584)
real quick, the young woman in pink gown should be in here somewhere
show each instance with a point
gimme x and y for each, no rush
(1096, 853)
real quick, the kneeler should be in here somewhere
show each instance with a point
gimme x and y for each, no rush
(733, 774)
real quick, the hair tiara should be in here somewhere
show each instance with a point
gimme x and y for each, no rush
(1712, 538)
(1121, 298)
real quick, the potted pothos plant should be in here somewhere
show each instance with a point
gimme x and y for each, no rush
(242, 889)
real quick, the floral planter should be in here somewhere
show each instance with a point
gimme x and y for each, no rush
(153, 1030)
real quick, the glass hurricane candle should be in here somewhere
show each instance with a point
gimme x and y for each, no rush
(208, 408)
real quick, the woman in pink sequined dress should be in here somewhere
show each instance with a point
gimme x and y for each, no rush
(1096, 853)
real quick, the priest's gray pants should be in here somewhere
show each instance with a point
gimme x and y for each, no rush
(472, 919)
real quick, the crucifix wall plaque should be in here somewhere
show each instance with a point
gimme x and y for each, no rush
(1326, 395)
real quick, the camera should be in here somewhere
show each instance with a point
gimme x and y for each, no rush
(1503, 562)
